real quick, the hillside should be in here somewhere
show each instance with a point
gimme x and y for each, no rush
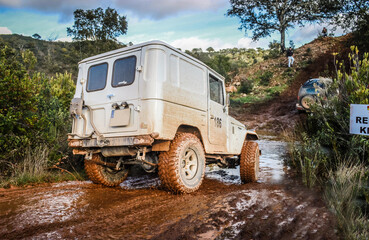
(277, 111)
(268, 103)
(58, 57)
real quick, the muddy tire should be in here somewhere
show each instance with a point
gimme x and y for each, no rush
(249, 162)
(182, 168)
(104, 175)
(307, 101)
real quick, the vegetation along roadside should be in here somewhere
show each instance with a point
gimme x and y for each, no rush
(326, 155)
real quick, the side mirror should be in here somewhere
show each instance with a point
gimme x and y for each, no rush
(228, 100)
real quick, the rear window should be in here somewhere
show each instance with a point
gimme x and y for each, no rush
(311, 82)
(97, 77)
(124, 71)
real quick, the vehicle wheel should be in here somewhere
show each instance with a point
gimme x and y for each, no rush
(104, 175)
(249, 162)
(306, 101)
(182, 168)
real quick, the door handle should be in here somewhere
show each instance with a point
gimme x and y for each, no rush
(212, 116)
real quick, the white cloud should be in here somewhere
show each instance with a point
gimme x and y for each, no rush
(249, 43)
(65, 39)
(310, 32)
(163, 8)
(64, 8)
(156, 9)
(11, 3)
(195, 42)
(5, 30)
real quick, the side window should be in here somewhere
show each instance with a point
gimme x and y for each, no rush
(97, 77)
(216, 90)
(124, 71)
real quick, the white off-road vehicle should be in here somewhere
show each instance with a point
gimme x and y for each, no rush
(153, 105)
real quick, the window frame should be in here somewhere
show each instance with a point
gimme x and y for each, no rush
(106, 77)
(113, 72)
(211, 76)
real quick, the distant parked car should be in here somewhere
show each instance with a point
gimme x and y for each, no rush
(309, 92)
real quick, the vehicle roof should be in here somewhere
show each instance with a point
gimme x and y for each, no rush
(144, 44)
(315, 80)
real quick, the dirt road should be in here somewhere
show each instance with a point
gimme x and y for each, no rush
(276, 207)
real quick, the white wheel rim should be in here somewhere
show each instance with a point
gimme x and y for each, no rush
(189, 164)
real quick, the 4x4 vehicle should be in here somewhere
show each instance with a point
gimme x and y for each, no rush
(309, 92)
(153, 105)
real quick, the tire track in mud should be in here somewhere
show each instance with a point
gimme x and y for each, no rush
(273, 208)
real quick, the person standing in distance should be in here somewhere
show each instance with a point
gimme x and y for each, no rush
(325, 32)
(290, 57)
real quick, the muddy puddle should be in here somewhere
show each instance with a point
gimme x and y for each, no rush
(272, 167)
(276, 207)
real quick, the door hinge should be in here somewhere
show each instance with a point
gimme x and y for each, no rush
(139, 68)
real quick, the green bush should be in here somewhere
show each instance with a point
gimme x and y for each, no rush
(325, 151)
(246, 86)
(265, 78)
(274, 50)
(33, 113)
(329, 121)
(341, 193)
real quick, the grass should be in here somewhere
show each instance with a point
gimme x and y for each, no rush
(309, 158)
(46, 177)
(34, 169)
(259, 95)
(245, 99)
(341, 194)
(344, 183)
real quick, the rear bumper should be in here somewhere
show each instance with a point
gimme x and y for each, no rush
(144, 140)
(299, 107)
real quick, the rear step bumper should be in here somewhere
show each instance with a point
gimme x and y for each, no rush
(144, 140)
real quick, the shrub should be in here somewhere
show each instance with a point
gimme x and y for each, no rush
(33, 114)
(343, 189)
(328, 124)
(246, 86)
(327, 127)
(308, 52)
(274, 50)
(265, 78)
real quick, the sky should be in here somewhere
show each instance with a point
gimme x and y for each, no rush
(185, 24)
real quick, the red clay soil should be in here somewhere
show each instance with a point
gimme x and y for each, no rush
(82, 210)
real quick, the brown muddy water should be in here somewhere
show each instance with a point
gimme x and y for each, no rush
(276, 207)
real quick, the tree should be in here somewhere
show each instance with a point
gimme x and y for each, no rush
(351, 15)
(33, 109)
(36, 36)
(96, 24)
(265, 17)
(221, 64)
(347, 14)
(210, 49)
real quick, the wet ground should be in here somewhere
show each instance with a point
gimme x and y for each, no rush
(276, 207)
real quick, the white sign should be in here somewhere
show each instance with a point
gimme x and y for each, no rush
(359, 119)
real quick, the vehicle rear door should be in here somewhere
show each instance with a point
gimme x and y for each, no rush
(111, 91)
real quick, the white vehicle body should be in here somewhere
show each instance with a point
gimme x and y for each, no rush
(134, 104)
(170, 89)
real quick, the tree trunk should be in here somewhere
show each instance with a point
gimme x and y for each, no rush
(283, 39)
